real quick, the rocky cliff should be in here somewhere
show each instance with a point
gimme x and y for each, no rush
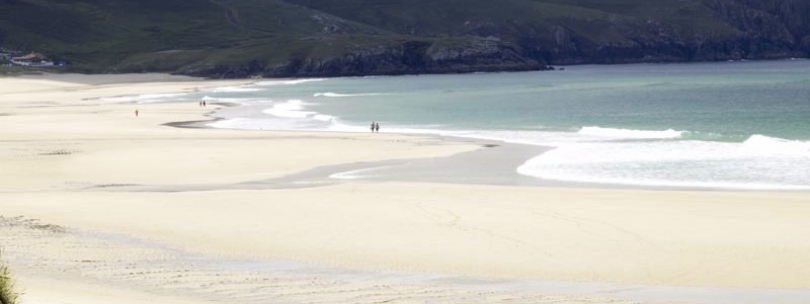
(710, 30)
(471, 54)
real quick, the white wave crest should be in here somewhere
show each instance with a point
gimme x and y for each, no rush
(288, 82)
(332, 94)
(760, 163)
(235, 90)
(291, 109)
(240, 101)
(145, 98)
(629, 133)
(322, 117)
(762, 144)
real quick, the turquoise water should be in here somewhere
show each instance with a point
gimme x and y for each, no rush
(743, 125)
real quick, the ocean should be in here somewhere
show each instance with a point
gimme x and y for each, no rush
(722, 125)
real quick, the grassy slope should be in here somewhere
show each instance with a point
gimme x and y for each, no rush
(599, 20)
(172, 34)
(234, 32)
(103, 32)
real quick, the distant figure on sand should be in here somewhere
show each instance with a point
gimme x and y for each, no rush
(136, 112)
(373, 124)
(377, 127)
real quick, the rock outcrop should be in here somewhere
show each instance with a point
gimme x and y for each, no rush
(472, 54)
(741, 29)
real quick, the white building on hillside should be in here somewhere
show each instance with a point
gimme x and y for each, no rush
(32, 59)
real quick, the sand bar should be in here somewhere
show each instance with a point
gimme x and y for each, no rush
(74, 161)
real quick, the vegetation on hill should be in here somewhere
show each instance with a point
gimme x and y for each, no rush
(240, 38)
(7, 294)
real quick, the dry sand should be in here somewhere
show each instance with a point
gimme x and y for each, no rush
(100, 206)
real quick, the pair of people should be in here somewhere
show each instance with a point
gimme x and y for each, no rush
(375, 127)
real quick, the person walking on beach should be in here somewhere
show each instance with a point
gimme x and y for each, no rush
(373, 124)
(136, 112)
(377, 127)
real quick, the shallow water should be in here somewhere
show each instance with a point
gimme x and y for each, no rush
(738, 125)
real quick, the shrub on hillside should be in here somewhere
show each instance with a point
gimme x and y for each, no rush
(7, 294)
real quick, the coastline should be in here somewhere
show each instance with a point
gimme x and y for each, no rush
(96, 170)
(494, 163)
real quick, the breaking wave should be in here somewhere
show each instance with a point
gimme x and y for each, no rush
(331, 94)
(293, 108)
(629, 133)
(235, 90)
(145, 98)
(760, 162)
(765, 145)
(288, 82)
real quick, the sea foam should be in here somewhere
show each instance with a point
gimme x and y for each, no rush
(629, 133)
(287, 82)
(765, 145)
(290, 109)
(239, 101)
(145, 98)
(332, 94)
(235, 89)
(758, 163)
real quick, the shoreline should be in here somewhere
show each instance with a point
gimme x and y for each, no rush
(104, 199)
(572, 175)
(499, 156)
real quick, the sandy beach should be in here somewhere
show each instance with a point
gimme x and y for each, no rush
(100, 206)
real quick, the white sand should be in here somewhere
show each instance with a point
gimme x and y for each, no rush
(59, 144)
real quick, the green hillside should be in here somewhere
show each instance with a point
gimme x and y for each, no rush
(239, 38)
